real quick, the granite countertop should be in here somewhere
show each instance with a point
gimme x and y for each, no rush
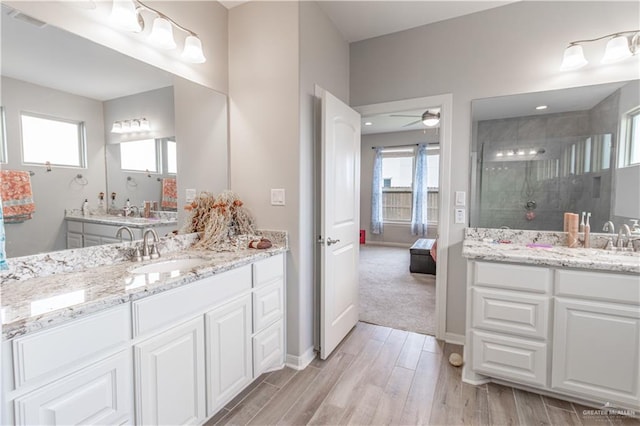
(132, 222)
(512, 246)
(32, 301)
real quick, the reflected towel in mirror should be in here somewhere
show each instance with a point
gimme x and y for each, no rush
(17, 196)
(169, 194)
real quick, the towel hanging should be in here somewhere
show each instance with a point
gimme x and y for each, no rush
(17, 196)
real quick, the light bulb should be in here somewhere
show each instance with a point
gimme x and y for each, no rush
(124, 15)
(162, 34)
(430, 122)
(617, 49)
(573, 58)
(193, 50)
(117, 127)
(144, 125)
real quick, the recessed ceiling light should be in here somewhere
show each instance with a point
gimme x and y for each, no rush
(368, 123)
(540, 107)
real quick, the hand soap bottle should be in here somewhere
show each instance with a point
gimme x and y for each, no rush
(85, 208)
(587, 232)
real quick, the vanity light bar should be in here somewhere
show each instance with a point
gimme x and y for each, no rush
(126, 14)
(131, 126)
(621, 45)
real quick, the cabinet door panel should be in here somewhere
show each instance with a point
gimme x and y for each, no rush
(74, 240)
(520, 360)
(268, 305)
(512, 312)
(268, 348)
(98, 394)
(228, 351)
(170, 376)
(596, 350)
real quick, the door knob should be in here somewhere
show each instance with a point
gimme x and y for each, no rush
(330, 241)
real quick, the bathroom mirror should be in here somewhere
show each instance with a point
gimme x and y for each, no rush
(537, 155)
(54, 73)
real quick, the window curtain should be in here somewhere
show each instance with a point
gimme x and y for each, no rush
(420, 192)
(376, 194)
(3, 256)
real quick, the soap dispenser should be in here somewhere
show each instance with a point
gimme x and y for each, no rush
(85, 207)
(587, 232)
(635, 228)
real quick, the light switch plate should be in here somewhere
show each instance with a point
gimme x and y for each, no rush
(461, 198)
(460, 216)
(190, 194)
(277, 197)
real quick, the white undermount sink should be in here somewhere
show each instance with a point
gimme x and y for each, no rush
(183, 264)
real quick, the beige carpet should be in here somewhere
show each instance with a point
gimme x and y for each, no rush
(392, 296)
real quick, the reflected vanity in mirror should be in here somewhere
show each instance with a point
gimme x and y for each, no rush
(102, 91)
(538, 155)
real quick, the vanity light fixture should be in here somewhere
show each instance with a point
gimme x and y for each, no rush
(541, 107)
(131, 126)
(499, 154)
(368, 123)
(126, 14)
(621, 45)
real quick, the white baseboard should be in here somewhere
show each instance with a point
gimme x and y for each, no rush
(454, 338)
(301, 362)
(383, 243)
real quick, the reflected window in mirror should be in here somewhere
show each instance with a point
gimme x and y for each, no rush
(52, 141)
(3, 138)
(172, 157)
(140, 156)
(631, 150)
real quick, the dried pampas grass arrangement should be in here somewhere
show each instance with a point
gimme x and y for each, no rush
(220, 221)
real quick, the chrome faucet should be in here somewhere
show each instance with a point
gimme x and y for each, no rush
(624, 230)
(608, 227)
(152, 253)
(124, 228)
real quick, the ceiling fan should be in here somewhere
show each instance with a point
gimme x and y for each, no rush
(428, 118)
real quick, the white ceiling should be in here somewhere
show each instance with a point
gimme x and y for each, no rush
(360, 20)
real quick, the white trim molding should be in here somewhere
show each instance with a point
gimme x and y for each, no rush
(301, 362)
(454, 338)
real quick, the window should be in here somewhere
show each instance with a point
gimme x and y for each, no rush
(140, 156)
(633, 138)
(47, 140)
(397, 189)
(3, 138)
(172, 159)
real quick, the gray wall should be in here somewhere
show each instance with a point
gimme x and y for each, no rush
(277, 52)
(393, 233)
(511, 49)
(157, 106)
(54, 191)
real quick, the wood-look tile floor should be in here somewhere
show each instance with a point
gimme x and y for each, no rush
(382, 376)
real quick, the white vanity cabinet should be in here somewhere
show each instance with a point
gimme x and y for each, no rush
(596, 343)
(175, 357)
(170, 373)
(574, 333)
(77, 373)
(86, 234)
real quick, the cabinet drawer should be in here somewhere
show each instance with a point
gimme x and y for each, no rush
(513, 277)
(74, 226)
(267, 270)
(623, 288)
(171, 306)
(100, 229)
(268, 305)
(39, 354)
(99, 394)
(268, 349)
(510, 358)
(509, 311)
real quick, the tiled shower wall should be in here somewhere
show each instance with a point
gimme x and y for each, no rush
(508, 183)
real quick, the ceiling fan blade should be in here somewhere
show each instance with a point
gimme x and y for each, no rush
(403, 115)
(412, 123)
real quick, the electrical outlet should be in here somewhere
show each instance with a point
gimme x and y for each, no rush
(190, 195)
(277, 197)
(461, 198)
(460, 216)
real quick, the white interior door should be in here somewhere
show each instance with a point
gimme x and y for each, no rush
(340, 220)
